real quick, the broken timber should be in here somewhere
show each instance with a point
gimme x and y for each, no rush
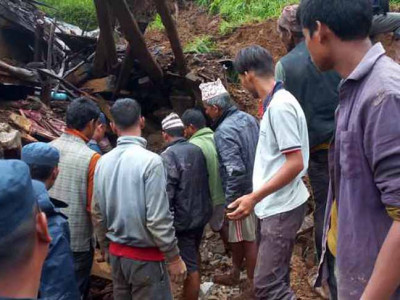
(136, 40)
(106, 53)
(172, 34)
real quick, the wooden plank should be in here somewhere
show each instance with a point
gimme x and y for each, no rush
(172, 33)
(106, 51)
(136, 40)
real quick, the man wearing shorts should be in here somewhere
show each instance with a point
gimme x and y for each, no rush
(203, 137)
(236, 136)
(189, 197)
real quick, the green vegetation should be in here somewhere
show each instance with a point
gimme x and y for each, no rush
(202, 44)
(156, 24)
(233, 12)
(237, 12)
(78, 12)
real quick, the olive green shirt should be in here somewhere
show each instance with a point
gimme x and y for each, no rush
(204, 139)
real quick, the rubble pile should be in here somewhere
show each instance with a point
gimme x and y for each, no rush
(45, 64)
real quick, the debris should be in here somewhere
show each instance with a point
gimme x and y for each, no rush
(10, 139)
(205, 289)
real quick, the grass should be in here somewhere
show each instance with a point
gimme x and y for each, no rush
(77, 12)
(201, 44)
(233, 12)
(238, 12)
(156, 24)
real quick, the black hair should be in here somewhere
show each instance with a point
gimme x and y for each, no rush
(39, 172)
(194, 117)
(255, 58)
(80, 112)
(175, 132)
(126, 112)
(349, 20)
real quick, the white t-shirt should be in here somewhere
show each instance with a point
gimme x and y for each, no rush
(283, 129)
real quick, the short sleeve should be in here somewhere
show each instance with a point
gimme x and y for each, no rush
(285, 125)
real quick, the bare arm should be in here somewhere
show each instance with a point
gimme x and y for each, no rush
(287, 173)
(386, 275)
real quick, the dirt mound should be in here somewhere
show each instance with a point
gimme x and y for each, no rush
(263, 34)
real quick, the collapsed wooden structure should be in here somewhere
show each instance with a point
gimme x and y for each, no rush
(48, 60)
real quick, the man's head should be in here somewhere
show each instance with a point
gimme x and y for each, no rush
(172, 128)
(289, 28)
(42, 159)
(254, 64)
(24, 236)
(215, 98)
(83, 115)
(101, 128)
(127, 117)
(327, 24)
(194, 120)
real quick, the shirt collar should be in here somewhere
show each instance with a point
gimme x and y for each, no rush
(368, 61)
(76, 133)
(278, 86)
(202, 131)
(132, 140)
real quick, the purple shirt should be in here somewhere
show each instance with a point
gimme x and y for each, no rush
(365, 168)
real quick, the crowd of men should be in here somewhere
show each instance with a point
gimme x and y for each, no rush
(330, 110)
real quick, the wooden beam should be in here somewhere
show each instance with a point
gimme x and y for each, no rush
(136, 40)
(172, 33)
(126, 69)
(106, 50)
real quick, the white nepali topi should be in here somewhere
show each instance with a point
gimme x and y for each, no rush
(213, 89)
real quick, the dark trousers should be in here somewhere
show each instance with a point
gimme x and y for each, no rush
(137, 280)
(83, 262)
(318, 173)
(332, 277)
(278, 236)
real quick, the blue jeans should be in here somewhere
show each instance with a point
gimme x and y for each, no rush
(83, 262)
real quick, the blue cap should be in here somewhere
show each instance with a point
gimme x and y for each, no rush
(41, 154)
(102, 119)
(17, 196)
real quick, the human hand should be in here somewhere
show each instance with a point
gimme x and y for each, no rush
(105, 256)
(177, 270)
(242, 207)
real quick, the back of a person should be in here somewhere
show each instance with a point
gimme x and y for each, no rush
(120, 177)
(243, 129)
(60, 255)
(192, 202)
(204, 139)
(317, 93)
(71, 187)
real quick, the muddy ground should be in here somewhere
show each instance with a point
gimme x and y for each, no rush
(193, 22)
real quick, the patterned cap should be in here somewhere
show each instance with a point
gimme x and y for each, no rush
(288, 19)
(210, 90)
(172, 121)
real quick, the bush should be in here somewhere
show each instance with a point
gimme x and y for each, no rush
(156, 24)
(77, 12)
